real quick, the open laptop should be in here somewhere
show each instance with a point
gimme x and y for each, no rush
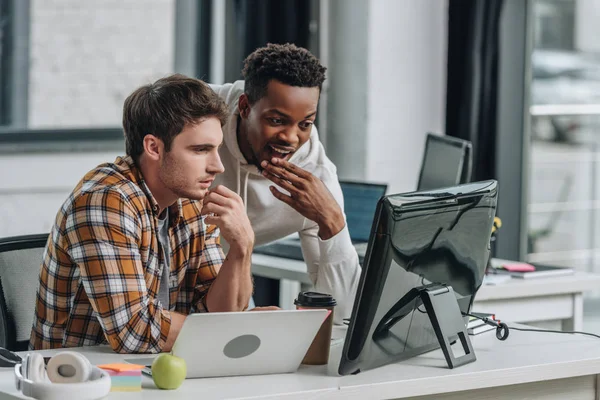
(245, 343)
(360, 202)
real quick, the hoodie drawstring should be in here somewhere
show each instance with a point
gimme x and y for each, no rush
(244, 195)
(245, 198)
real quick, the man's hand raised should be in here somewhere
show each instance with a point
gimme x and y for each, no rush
(308, 195)
(225, 209)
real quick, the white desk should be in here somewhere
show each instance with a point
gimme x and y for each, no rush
(553, 303)
(528, 365)
(546, 302)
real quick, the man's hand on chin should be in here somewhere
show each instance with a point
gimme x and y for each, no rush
(225, 209)
(308, 195)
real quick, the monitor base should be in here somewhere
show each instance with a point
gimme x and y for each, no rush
(448, 324)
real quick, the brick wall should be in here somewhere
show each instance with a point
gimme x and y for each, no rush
(87, 56)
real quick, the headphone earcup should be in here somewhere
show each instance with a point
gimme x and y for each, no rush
(69, 367)
(33, 368)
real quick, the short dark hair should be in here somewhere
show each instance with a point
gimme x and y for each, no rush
(286, 63)
(165, 107)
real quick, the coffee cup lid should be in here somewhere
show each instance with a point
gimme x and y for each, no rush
(314, 299)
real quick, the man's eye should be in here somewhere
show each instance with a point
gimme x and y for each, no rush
(306, 125)
(276, 121)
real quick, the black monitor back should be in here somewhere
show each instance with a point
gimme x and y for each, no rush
(447, 161)
(417, 239)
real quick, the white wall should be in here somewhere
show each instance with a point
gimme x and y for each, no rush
(387, 66)
(346, 87)
(387, 88)
(407, 86)
(587, 28)
(87, 56)
(33, 187)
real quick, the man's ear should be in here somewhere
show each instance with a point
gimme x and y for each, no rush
(153, 147)
(244, 106)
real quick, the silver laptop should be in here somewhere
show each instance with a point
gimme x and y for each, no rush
(246, 343)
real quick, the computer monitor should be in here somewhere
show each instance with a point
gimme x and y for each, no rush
(418, 240)
(446, 162)
(360, 202)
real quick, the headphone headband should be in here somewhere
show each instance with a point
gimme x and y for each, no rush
(96, 388)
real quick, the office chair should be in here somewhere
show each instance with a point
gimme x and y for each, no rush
(20, 262)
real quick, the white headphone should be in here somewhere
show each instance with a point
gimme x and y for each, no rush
(68, 375)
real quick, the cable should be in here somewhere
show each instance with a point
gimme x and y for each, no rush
(501, 325)
(552, 331)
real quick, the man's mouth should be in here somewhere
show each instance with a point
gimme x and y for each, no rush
(207, 183)
(280, 151)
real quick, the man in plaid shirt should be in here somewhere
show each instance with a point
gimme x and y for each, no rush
(135, 247)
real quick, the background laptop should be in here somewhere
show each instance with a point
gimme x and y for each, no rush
(360, 202)
(246, 343)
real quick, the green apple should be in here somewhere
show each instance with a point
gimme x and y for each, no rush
(168, 372)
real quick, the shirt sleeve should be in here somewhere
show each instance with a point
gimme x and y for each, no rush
(102, 234)
(332, 264)
(210, 264)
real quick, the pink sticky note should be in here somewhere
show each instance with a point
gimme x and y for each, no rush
(519, 267)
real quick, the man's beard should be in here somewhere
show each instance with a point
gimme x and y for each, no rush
(172, 177)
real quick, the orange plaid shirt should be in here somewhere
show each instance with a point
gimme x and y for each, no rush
(102, 265)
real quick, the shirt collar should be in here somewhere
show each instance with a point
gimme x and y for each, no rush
(175, 210)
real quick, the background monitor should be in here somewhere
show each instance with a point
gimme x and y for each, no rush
(360, 202)
(417, 239)
(446, 162)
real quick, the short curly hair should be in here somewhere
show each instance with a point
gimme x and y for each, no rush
(286, 63)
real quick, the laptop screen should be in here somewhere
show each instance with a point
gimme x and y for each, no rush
(360, 202)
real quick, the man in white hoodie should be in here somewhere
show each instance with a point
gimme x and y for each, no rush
(274, 160)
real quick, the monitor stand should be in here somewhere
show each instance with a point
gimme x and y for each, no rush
(448, 323)
(446, 319)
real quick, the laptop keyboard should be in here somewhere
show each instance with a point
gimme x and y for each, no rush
(292, 250)
(281, 249)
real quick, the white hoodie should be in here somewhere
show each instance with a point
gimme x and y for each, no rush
(332, 264)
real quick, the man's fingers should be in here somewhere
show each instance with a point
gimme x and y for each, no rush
(216, 198)
(213, 208)
(281, 196)
(212, 220)
(294, 169)
(281, 172)
(266, 308)
(224, 191)
(287, 185)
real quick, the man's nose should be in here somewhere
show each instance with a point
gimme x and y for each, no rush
(289, 135)
(216, 165)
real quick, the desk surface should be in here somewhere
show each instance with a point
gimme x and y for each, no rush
(518, 288)
(280, 268)
(525, 357)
